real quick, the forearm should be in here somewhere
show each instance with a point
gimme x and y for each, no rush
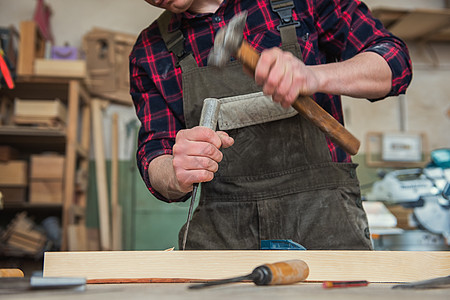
(366, 75)
(163, 179)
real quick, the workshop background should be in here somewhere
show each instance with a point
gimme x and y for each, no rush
(68, 131)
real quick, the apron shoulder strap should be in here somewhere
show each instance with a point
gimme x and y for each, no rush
(287, 23)
(175, 41)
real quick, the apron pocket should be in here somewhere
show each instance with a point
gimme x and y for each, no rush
(349, 198)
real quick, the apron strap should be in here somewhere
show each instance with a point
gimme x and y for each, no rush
(287, 24)
(175, 42)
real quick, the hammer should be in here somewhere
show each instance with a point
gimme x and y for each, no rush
(230, 41)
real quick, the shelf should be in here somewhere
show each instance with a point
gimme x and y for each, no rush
(416, 25)
(71, 139)
(41, 88)
(25, 138)
(31, 206)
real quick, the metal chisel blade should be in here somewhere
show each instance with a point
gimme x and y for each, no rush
(190, 213)
(208, 118)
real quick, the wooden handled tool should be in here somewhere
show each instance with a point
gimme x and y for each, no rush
(11, 273)
(229, 41)
(280, 273)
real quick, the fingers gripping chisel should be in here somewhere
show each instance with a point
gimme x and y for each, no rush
(208, 118)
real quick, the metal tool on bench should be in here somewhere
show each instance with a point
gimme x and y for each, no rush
(13, 280)
(280, 273)
(230, 41)
(435, 283)
(208, 118)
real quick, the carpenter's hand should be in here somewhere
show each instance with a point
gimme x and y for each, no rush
(196, 155)
(284, 77)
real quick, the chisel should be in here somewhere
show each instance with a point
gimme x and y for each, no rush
(208, 118)
(280, 273)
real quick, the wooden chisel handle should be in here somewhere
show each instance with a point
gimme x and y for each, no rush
(308, 108)
(11, 273)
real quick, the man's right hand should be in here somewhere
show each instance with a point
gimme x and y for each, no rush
(196, 157)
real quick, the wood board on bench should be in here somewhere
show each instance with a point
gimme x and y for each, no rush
(374, 266)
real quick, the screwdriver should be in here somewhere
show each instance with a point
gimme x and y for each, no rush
(280, 273)
(208, 118)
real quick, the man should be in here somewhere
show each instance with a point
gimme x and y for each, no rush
(267, 173)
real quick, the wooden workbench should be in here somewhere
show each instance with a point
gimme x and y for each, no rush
(312, 291)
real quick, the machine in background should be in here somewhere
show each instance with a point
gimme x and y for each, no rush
(427, 192)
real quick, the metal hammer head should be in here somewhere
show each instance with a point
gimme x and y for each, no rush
(228, 40)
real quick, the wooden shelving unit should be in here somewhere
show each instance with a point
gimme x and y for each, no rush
(72, 140)
(416, 25)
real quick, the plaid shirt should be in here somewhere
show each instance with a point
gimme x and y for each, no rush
(338, 30)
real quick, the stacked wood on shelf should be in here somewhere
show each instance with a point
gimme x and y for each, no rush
(49, 113)
(46, 178)
(13, 176)
(21, 236)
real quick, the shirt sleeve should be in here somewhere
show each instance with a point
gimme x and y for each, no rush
(159, 125)
(346, 28)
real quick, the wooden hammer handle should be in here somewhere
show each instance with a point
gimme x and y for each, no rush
(308, 108)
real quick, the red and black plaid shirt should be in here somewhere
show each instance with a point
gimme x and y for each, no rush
(338, 30)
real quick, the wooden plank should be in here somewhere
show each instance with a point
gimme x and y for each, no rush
(93, 239)
(374, 266)
(71, 158)
(78, 236)
(27, 48)
(14, 173)
(116, 209)
(60, 68)
(83, 151)
(40, 109)
(100, 171)
(46, 191)
(47, 166)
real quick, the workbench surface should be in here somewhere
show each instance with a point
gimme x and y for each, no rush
(169, 291)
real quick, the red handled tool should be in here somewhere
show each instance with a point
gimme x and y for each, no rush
(5, 71)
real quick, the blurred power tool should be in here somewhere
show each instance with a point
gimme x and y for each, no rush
(280, 273)
(208, 118)
(426, 190)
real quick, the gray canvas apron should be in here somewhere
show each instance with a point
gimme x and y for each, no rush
(277, 181)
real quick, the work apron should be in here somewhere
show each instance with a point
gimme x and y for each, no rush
(277, 181)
